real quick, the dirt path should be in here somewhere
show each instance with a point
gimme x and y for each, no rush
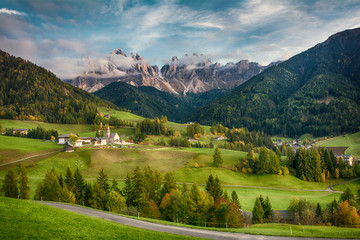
(167, 228)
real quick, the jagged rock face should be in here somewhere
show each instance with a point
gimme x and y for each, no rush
(204, 76)
(193, 73)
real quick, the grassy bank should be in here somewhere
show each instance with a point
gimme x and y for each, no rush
(29, 220)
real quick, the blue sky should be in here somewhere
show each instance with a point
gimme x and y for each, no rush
(61, 34)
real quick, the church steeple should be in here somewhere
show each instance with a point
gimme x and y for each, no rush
(108, 133)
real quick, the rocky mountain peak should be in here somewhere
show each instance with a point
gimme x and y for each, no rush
(118, 51)
(174, 59)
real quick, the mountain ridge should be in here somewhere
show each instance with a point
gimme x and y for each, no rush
(287, 99)
(191, 73)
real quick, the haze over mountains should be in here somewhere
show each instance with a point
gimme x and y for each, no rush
(191, 73)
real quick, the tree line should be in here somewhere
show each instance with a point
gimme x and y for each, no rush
(242, 139)
(152, 127)
(36, 133)
(307, 164)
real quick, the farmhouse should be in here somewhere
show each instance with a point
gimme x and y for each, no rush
(64, 138)
(220, 138)
(20, 131)
(99, 141)
(85, 140)
(68, 147)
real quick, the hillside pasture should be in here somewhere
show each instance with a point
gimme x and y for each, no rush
(61, 128)
(22, 219)
(119, 162)
(15, 148)
(280, 199)
(229, 177)
(349, 140)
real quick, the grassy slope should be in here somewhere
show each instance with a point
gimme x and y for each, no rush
(350, 140)
(354, 187)
(14, 148)
(29, 220)
(302, 231)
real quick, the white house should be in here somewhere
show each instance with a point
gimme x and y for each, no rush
(63, 138)
(99, 141)
(85, 140)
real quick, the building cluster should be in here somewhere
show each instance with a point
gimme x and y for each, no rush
(339, 152)
(110, 138)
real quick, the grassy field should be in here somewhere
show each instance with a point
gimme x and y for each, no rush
(29, 220)
(301, 231)
(350, 140)
(280, 199)
(354, 187)
(228, 177)
(127, 116)
(61, 128)
(14, 148)
(118, 163)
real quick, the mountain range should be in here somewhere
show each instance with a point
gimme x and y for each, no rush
(191, 73)
(316, 91)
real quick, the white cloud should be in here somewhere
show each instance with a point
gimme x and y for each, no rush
(8, 11)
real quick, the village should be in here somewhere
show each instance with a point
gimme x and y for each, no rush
(73, 140)
(339, 152)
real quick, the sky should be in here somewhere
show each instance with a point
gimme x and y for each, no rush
(62, 35)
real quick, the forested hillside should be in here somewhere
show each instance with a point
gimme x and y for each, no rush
(315, 92)
(150, 102)
(30, 92)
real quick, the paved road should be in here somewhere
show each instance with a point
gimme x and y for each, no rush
(167, 228)
(330, 188)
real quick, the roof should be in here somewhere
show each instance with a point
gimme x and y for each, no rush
(112, 135)
(64, 136)
(85, 138)
(19, 129)
(67, 135)
(99, 139)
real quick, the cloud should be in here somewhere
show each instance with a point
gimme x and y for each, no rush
(14, 12)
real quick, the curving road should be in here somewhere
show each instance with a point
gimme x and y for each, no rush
(167, 228)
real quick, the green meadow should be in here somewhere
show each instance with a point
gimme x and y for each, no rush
(301, 231)
(15, 148)
(22, 219)
(350, 140)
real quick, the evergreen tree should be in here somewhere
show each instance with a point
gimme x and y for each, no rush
(169, 184)
(217, 158)
(226, 196)
(24, 183)
(10, 185)
(235, 198)
(69, 179)
(347, 195)
(127, 191)
(102, 180)
(137, 182)
(97, 199)
(268, 211)
(258, 212)
(213, 187)
(79, 187)
(114, 186)
(318, 212)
